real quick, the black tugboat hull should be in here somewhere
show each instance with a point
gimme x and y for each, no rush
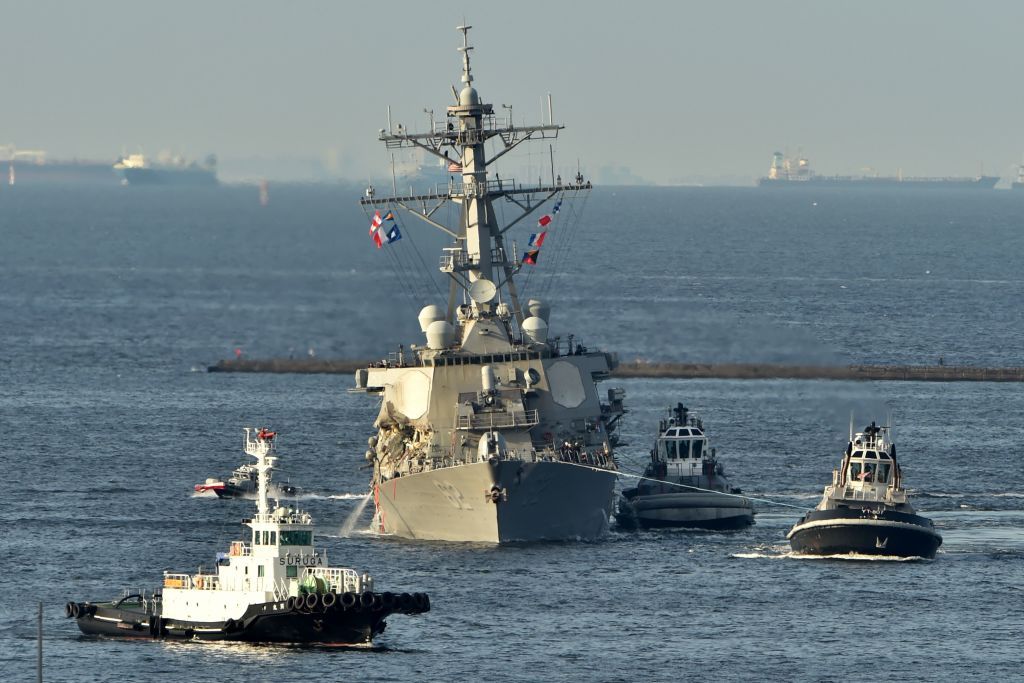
(865, 536)
(684, 510)
(273, 622)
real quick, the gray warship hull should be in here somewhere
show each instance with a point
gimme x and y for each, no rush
(542, 501)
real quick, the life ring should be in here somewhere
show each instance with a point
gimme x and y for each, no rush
(199, 582)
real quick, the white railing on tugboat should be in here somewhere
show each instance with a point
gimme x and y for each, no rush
(338, 579)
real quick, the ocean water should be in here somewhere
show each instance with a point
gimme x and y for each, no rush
(113, 302)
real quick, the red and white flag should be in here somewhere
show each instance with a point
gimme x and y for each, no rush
(376, 222)
(454, 167)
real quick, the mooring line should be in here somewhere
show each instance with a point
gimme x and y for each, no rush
(695, 488)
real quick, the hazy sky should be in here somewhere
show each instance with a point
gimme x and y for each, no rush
(672, 91)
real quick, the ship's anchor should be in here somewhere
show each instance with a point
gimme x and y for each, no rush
(496, 494)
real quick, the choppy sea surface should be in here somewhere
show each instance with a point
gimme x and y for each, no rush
(112, 303)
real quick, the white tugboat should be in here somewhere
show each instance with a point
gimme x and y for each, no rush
(275, 587)
(491, 431)
(865, 510)
(684, 485)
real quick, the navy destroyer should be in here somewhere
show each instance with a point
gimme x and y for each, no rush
(491, 431)
(865, 510)
(797, 172)
(684, 485)
(278, 587)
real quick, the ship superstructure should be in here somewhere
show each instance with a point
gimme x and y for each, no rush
(491, 431)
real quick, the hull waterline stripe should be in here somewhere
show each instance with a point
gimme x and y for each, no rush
(859, 522)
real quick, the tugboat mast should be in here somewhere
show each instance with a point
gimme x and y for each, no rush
(480, 253)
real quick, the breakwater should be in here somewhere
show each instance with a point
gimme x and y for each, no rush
(635, 368)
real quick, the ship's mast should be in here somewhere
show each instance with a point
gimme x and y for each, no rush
(479, 252)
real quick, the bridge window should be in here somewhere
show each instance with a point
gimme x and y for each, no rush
(296, 538)
(883, 473)
(273, 538)
(292, 571)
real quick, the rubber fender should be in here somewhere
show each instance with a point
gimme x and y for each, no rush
(406, 602)
(229, 625)
(388, 600)
(422, 602)
(312, 600)
(329, 599)
(366, 599)
(378, 602)
(290, 603)
(349, 600)
(69, 610)
(76, 609)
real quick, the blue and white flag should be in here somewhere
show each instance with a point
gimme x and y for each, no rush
(394, 234)
(557, 207)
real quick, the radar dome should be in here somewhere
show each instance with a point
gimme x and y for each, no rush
(535, 330)
(440, 334)
(538, 308)
(428, 315)
(468, 96)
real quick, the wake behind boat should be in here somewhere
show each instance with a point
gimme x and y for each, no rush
(684, 485)
(865, 511)
(490, 432)
(278, 587)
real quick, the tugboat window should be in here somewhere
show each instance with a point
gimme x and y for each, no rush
(883, 473)
(854, 471)
(296, 538)
(273, 538)
(292, 571)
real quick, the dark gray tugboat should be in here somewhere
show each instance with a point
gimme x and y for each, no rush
(276, 588)
(865, 510)
(684, 485)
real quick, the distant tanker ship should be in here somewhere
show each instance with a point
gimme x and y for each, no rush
(32, 167)
(136, 169)
(796, 172)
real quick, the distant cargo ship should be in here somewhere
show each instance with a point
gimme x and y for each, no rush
(1018, 184)
(796, 172)
(136, 169)
(31, 167)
